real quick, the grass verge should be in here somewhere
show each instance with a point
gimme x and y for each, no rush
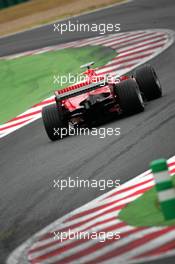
(145, 211)
(27, 80)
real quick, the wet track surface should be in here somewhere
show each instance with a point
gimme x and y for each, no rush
(30, 162)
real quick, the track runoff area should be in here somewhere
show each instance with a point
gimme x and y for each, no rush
(130, 244)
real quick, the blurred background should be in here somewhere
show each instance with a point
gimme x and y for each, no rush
(7, 3)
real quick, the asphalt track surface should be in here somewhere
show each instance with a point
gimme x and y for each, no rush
(30, 162)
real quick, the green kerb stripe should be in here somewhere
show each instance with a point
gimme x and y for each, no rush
(158, 165)
(164, 185)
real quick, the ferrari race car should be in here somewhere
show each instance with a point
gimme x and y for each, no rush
(82, 104)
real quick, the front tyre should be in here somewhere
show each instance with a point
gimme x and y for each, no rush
(148, 82)
(129, 97)
(54, 121)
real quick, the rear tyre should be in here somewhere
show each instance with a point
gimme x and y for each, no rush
(129, 97)
(148, 82)
(54, 121)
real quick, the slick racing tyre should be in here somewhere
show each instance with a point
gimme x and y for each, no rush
(148, 82)
(129, 97)
(54, 121)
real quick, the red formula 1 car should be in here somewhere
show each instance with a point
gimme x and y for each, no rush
(85, 103)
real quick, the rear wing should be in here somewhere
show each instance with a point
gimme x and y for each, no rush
(80, 88)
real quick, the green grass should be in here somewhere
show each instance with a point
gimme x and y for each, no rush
(27, 80)
(145, 211)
